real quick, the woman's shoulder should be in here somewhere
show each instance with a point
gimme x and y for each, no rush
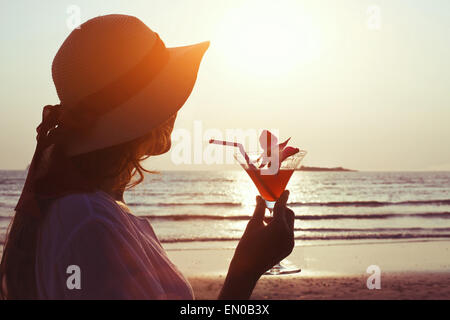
(69, 212)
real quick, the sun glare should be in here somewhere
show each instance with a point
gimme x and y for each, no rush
(267, 38)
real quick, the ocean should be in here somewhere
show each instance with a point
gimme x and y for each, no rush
(198, 208)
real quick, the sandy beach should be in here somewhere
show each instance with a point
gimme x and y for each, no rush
(394, 286)
(409, 270)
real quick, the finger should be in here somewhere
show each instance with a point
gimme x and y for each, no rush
(260, 209)
(267, 219)
(285, 221)
(280, 204)
(290, 218)
(283, 198)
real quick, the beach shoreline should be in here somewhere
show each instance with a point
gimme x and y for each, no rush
(408, 270)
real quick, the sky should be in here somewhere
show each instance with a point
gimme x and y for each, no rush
(356, 83)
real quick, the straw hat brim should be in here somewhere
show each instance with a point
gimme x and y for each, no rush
(150, 107)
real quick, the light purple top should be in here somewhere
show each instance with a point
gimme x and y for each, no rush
(118, 254)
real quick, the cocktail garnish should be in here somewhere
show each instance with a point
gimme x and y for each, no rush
(269, 141)
(287, 152)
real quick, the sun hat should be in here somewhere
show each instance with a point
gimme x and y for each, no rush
(116, 79)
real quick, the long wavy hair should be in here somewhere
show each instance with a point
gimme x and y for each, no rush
(113, 169)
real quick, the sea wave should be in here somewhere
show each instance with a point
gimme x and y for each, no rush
(12, 181)
(196, 179)
(430, 215)
(182, 204)
(371, 203)
(371, 230)
(390, 236)
(302, 204)
(441, 215)
(6, 205)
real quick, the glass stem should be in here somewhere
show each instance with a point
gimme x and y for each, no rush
(276, 268)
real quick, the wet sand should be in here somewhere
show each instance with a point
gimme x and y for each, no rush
(409, 270)
(393, 287)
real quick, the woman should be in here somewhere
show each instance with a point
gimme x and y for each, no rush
(120, 90)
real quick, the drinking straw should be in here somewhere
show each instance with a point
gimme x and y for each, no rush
(233, 144)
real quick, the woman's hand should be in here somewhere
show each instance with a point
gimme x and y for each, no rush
(260, 248)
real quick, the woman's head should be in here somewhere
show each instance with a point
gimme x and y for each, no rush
(114, 168)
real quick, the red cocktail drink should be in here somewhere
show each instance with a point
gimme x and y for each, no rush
(271, 186)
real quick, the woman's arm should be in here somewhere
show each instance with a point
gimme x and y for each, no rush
(261, 247)
(238, 286)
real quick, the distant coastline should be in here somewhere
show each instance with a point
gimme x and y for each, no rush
(336, 169)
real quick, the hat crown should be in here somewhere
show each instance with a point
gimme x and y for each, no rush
(97, 53)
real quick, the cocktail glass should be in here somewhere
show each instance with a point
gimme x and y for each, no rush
(270, 187)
